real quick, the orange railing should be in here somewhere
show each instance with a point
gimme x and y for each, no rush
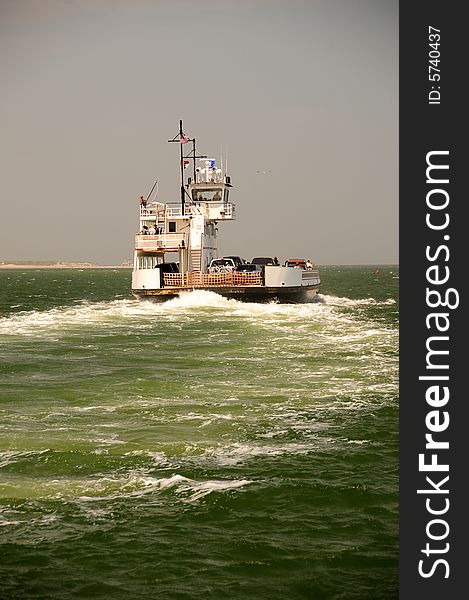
(211, 280)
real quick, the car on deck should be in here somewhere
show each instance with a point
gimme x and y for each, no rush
(249, 268)
(221, 265)
(236, 259)
(264, 261)
(299, 263)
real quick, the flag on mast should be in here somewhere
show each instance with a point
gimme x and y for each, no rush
(184, 139)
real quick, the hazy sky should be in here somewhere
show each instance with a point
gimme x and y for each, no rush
(304, 89)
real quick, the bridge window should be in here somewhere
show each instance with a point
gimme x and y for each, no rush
(172, 226)
(207, 195)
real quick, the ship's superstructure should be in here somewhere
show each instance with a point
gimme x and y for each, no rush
(177, 241)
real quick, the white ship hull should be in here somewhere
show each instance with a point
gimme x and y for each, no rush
(287, 295)
(281, 284)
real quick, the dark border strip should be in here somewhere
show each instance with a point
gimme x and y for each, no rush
(433, 272)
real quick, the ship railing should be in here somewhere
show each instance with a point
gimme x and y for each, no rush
(152, 210)
(161, 241)
(196, 280)
(175, 211)
(148, 212)
(217, 209)
(311, 276)
(160, 210)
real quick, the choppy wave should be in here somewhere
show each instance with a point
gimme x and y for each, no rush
(10, 457)
(114, 487)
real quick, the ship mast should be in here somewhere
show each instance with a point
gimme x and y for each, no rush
(182, 138)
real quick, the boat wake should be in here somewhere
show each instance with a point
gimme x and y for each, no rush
(197, 303)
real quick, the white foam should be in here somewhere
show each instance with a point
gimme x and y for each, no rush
(204, 488)
(194, 489)
(200, 298)
(158, 457)
(344, 301)
(239, 453)
(109, 314)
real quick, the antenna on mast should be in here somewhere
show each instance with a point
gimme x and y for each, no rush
(181, 138)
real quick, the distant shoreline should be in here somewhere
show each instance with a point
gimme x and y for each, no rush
(59, 265)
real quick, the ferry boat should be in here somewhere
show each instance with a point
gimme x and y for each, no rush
(177, 242)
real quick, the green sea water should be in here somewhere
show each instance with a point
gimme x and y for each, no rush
(200, 448)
